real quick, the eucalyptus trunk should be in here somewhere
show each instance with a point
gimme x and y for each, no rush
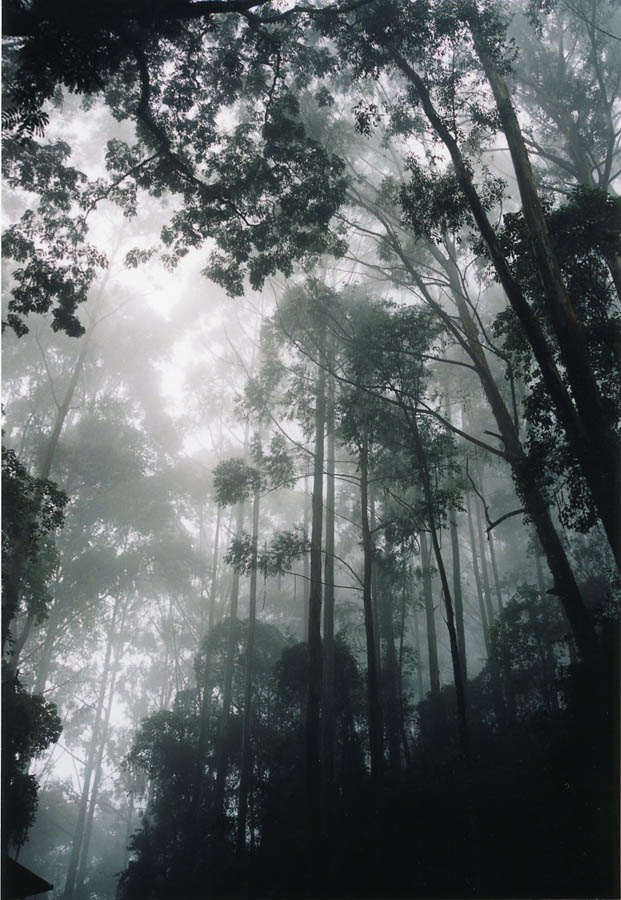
(373, 694)
(246, 762)
(103, 740)
(221, 761)
(458, 676)
(487, 592)
(457, 591)
(430, 618)
(390, 682)
(328, 694)
(477, 581)
(205, 687)
(78, 836)
(313, 692)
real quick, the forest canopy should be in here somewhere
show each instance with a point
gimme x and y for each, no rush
(311, 463)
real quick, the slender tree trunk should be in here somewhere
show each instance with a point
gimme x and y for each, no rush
(313, 693)
(246, 763)
(78, 837)
(492, 556)
(430, 617)
(129, 830)
(406, 748)
(221, 761)
(390, 683)
(457, 590)
(205, 688)
(477, 580)
(458, 678)
(417, 647)
(374, 593)
(88, 831)
(328, 721)
(457, 593)
(373, 697)
(306, 564)
(214, 573)
(538, 568)
(487, 593)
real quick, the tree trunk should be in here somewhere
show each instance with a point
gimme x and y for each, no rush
(374, 593)
(313, 693)
(492, 556)
(406, 748)
(88, 831)
(78, 837)
(221, 761)
(390, 683)
(477, 580)
(305, 564)
(430, 617)
(458, 678)
(205, 692)
(487, 593)
(246, 762)
(328, 723)
(373, 697)
(214, 573)
(417, 647)
(457, 594)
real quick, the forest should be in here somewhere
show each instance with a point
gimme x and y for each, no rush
(311, 449)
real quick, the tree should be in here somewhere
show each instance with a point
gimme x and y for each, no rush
(31, 509)
(234, 481)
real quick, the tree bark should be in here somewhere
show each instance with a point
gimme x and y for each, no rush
(458, 677)
(227, 688)
(430, 618)
(477, 580)
(246, 762)
(305, 564)
(457, 592)
(373, 697)
(390, 683)
(487, 593)
(492, 556)
(417, 647)
(76, 846)
(313, 693)
(328, 722)
(205, 692)
(88, 831)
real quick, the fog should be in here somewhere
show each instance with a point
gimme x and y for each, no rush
(311, 465)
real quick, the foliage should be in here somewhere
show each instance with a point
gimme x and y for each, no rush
(284, 548)
(234, 481)
(30, 725)
(55, 265)
(31, 509)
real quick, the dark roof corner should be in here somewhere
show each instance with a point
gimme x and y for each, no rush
(18, 882)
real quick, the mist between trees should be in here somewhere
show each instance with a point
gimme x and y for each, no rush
(311, 465)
